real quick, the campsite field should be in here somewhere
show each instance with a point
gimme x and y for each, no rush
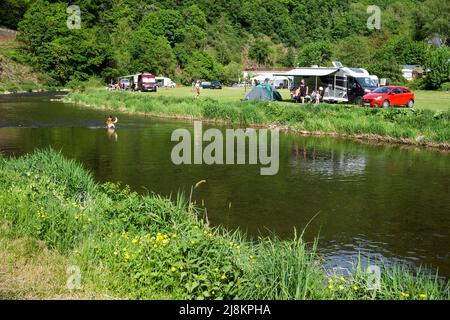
(433, 100)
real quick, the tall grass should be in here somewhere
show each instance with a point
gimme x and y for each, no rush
(135, 246)
(394, 124)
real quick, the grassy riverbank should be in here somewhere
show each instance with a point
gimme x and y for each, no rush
(416, 127)
(132, 246)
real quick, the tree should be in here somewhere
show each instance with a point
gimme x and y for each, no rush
(167, 23)
(75, 57)
(42, 23)
(63, 53)
(121, 42)
(354, 51)
(194, 37)
(432, 20)
(439, 68)
(15, 10)
(151, 53)
(402, 50)
(319, 53)
(259, 52)
(231, 73)
(195, 16)
(385, 69)
(200, 65)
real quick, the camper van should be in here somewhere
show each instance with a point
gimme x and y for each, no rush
(164, 82)
(145, 82)
(340, 84)
(125, 83)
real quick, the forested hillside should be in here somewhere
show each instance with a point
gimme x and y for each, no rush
(187, 39)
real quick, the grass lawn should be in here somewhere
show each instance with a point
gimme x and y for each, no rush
(433, 100)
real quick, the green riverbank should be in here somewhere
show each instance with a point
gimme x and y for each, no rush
(146, 247)
(395, 125)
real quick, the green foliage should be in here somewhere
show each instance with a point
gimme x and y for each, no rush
(15, 10)
(354, 51)
(439, 66)
(200, 65)
(64, 53)
(166, 23)
(259, 51)
(318, 53)
(150, 53)
(432, 19)
(445, 86)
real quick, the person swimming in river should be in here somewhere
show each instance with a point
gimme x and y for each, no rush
(110, 122)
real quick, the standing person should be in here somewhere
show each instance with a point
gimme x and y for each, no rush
(197, 88)
(303, 90)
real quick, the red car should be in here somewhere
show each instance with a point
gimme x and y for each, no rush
(389, 96)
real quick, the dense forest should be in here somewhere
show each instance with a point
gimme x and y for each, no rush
(186, 39)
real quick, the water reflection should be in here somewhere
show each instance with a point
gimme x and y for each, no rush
(112, 134)
(330, 163)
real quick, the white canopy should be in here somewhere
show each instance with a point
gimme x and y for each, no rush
(309, 72)
(260, 77)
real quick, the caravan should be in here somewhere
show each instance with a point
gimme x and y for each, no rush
(164, 82)
(341, 84)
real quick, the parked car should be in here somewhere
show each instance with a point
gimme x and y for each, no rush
(389, 96)
(206, 85)
(216, 85)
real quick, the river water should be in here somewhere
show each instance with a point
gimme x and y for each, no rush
(379, 202)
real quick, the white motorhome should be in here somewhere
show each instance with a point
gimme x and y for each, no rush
(340, 84)
(164, 82)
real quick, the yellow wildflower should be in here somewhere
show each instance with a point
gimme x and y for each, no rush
(342, 278)
(355, 288)
(223, 277)
(422, 296)
(341, 287)
(330, 287)
(257, 285)
(405, 295)
(173, 269)
(134, 240)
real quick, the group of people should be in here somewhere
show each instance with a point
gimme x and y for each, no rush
(301, 93)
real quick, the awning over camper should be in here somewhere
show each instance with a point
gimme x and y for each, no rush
(308, 72)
